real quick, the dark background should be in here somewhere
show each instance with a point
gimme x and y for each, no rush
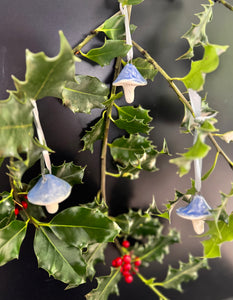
(161, 23)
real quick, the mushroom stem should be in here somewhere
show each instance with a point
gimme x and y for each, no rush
(198, 226)
(129, 93)
(52, 208)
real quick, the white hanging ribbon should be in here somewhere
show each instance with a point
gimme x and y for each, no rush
(41, 136)
(195, 100)
(124, 12)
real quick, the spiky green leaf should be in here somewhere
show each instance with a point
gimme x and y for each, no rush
(69, 172)
(133, 120)
(186, 272)
(94, 255)
(110, 50)
(145, 68)
(6, 209)
(114, 27)
(16, 127)
(196, 35)
(130, 2)
(195, 79)
(96, 133)
(11, 237)
(80, 226)
(47, 76)
(106, 285)
(84, 94)
(64, 262)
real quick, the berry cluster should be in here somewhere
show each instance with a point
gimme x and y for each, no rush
(22, 205)
(128, 264)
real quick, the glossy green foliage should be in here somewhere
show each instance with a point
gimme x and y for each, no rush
(133, 120)
(106, 285)
(84, 94)
(61, 260)
(96, 133)
(16, 129)
(195, 79)
(11, 237)
(6, 209)
(80, 226)
(136, 151)
(196, 35)
(145, 68)
(114, 27)
(69, 172)
(93, 255)
(47, 76)
(111, 49)
(186, 272)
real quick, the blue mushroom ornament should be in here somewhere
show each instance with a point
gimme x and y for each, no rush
(49, 191)
(197, 211)
(129, 78)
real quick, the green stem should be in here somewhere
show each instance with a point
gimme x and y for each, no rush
(226, 4)
(152, 287)
(105, 138)
(165, 75)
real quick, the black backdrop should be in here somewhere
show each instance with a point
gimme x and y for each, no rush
(35, 25)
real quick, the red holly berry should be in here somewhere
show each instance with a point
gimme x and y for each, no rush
(126, 266)
(136, 270)
(126, 258)
(114, 263)
(125, 273)
(125, 244)
(118, 261)
(137, 262)
(25, 196)
(16, 211)
(24, 204)
(129, 278)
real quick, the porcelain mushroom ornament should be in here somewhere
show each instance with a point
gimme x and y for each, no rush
(129, 78)
(197, 211)
(49, 191)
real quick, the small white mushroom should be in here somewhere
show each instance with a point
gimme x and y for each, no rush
(197, 211)
(129, 78)
(49, 191)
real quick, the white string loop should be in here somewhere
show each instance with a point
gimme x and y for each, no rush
(124, 12)
(41, 136)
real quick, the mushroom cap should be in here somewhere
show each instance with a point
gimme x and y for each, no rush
(49, 190)
(197, 209)
(130, 75)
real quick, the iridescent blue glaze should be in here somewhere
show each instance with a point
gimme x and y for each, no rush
(49, 190)
(198, 208)
(130, 75)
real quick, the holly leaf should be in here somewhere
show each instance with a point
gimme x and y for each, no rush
(16, 127)
(110, 50)
(80, 226)
(198, 150)
(47, 76)
(18, 168)
(130, 2)
(219, 234)
(133, 120)
(96, 133)
(196, 35)
(135, 150)
(11, 237)
(106, 285)
(186, 272)
(94, 255)
(129, 171)
(156, 248)
(69, 172)
(6, 209)
(209, 172)
(61, 260)
(114, 27)
(195, 79)
(145, 68)
(227, 136)
(84, 94)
